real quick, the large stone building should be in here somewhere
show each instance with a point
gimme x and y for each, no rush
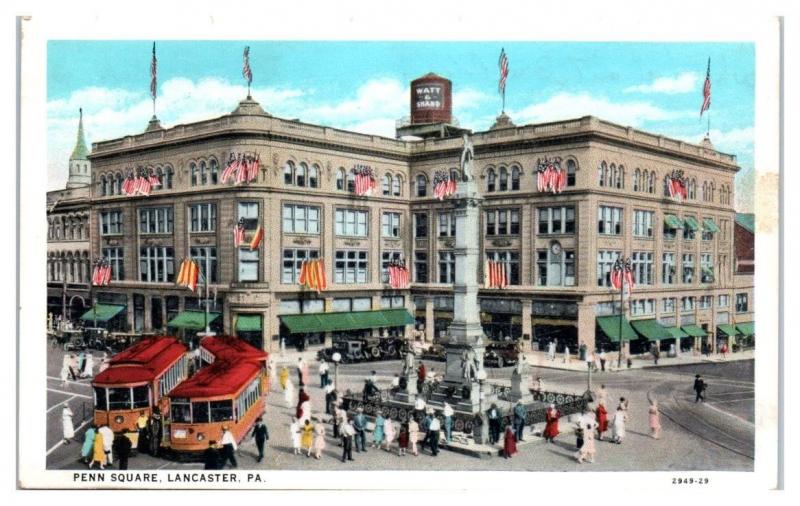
(558, 247)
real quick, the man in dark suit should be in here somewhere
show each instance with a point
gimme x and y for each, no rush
(211, 457)
(261, 435)
(699, 388)
(121, 448)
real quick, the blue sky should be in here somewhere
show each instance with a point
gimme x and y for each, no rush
(363, 86)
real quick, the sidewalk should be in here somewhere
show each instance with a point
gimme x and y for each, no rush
(540, 359)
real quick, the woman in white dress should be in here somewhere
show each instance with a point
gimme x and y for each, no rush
(294, 433)
(288, 394)
(620, 418)
(88, 368)
(306, 408)
(64, 375)
(389, 433)
(66, 422)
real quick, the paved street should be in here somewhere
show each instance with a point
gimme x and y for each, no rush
(717, 435)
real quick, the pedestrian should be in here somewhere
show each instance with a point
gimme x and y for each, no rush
(323, 373)
(448, 422)
(330, 396)
(143, 441)
(602, 395)
(551, 351)
(656, 354)
(283, 376)
(587, 450)
(699, 388)
(602, 420)
(300, 411)
(519, 420)
(620, 418)
(421, 374)
(413, 435)
(261, 435)
(288, 393)
(419, 409)
(98, 451)
(623, 403)
(433, 435)
(402, 439)
(579, 434)
(395, 383)
(539, 387)
(283, 346)
(551, 423)
(724, 351)
(339, 418)
(566, 354)
(494, 424)
(67, 427)
(655, 419)
(81, 363)
(377, 433)
(347, 441)
(389, 432)
(509, 443)
(88, 366)
(301, 365)
(229, 447)
(319, 440)
(307, 437)
(211, 457)
(68, 362)
(602, 357)
(64, 375)
(121, 448)
(108, 442)
(294, 434)
(425, 427)
(360, 428)
(155, 429)
(88, 443)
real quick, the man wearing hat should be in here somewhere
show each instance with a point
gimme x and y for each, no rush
(519, 420)
(228, 447)
(433, 434)
(360, 428)
(261, 435)
(699, 388)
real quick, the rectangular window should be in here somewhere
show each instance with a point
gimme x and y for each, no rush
(741, 303)
(248, 265)
(556, 220)
(351, 222)
(502, 222)
(688, 268)
(248, 215)
(420, 225)
(511, 260)
(642, 263)
(723, 300)
(447, 267)
(609, 220)
(640, 307)
(111, 222)
(351, 266)
(706, 235)
(447, 224)
(115, 259)
(421, 267)
(390, 225)
(643, 223)
(668, 273)
(395, 302)
(221, 411)
(292, 262)
(203, 217)
(706, 268)
(298, 219)
(155, 220)
(203, 255)
(687, 304)
(669, 232)
(555, 269)
(386, 258)
(669, 305)
(688, 233)
(605, 261)
(156, 264)
(706, 301)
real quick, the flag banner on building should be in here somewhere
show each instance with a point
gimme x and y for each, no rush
(101, 274)
(622, 275)
(247, 73)
(676, 184)
(706, 90)
(238, 235)
(154, 180)
(365, 180)
(153, 74)
(189, 274)
(495, 274)
(312, 275)
(443, 185)
(502, 63)
(255, 242)
(241, 168)
(139, 183)
(550, 176)
(398, 275)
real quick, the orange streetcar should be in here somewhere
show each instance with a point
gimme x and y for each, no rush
(138, 379)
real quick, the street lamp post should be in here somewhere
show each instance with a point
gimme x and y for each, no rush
(336, 357)
(481, 375)
(622, 268)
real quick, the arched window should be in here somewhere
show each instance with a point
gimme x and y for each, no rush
(213, 171)
(651, 183)
(300, 174)
(168, 173)
(103, 186)
(340, 179)
(422, 184)
(621, 177)
(636, 175)
(705, 191)
(397, 184)
(386, 184)
(118, 189)
(711, 190)
(351, 181)
(193, 172)
(612, 179)
(602, 173)
(203, 173)
(503, 179)
(313, 176)
(160, 176)
(571, 168)
(490, 181)
(692, 191)
(515, 178)
(288, 173)
(666, 186)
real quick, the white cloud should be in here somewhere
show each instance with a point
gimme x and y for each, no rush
(567, 105)
(682, 83)
(469, 98)
(383, 97)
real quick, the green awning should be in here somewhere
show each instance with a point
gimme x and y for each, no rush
(248, 323)
(611, 327)
(105, 312)
(694, 331)
(691, 223)
(332, 322)
(676, 332)
(747, 328)
(673, 221)
(728, 330)
(710, 226)
(651, 329)
(192, 320)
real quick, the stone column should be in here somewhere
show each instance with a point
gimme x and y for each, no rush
(527, 311)
(429, 326)
(328, 309)
(130, 313)
(586, 325)
(148, 316)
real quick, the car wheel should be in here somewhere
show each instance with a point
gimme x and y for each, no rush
(375, 352)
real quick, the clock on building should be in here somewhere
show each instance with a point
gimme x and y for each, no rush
(555, 248)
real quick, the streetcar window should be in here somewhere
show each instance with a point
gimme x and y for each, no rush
(100, 398)
(141, 397)
(180, 412)
(200, 412)
(221, 411)
(119, 398)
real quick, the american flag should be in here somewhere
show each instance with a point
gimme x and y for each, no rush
(144, 185)
(238, 235)
(443, 185)
(241, 171)
(246, 72)
(365, 181)
(254, 165)
(153, 74)
(496, 275)
(230, 169)
(706, 90)
(398, 276)
(622, 275)
(154, 180)
(503, 64)
(101, 275)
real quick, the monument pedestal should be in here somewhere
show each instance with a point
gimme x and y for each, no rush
(520, 388)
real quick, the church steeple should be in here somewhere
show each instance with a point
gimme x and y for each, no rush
(79, 164)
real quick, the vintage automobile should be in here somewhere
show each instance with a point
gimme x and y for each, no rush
(364, 349)
(434, 352)
(501, 354)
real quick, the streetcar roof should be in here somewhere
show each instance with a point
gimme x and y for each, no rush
(144, 361)
(222, 378)
(228, 347)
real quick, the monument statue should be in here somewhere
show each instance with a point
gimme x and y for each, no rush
(467, 155)
(408, 362)
(470, 365)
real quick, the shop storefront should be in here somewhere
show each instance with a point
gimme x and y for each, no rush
(188, 323)
(249, 327)
(351, 324)
(501, 318)
(612, 331)
(746, 337)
